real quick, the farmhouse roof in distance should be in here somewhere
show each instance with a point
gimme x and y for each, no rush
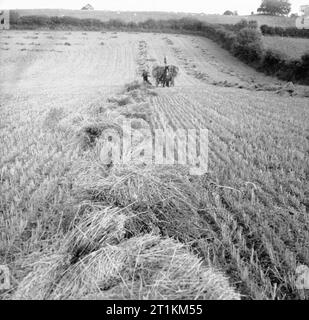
(88, 7)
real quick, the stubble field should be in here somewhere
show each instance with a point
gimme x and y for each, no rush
(292, 48)
(253, 203)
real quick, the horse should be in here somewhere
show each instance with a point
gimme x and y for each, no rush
(173, 70)
(157, 73)
(163, 76)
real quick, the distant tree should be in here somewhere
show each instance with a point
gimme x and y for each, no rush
(228, 13)
(235, 13)
(275, 7)
(252, 13)
(88, 7)
(294, 15)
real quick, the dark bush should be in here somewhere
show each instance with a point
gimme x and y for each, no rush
(289, 70)
(132, 25)
(303, 72)
(276, 64)
(267, 30)
(248, 45)
(116, 23)
(285, 32)
(248, 35)
(149, 24)
(229, 39)
(272, 62)
(14, 16)
(40, 21)
(228, 13)
(241, 25)
(305, 60)
(251, 53)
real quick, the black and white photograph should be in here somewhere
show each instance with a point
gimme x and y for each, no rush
(155, 151)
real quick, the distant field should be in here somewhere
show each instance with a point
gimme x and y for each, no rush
(141, 16)
(284, 22)
(291, 47)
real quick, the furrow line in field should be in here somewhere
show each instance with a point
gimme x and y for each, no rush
(214, 147)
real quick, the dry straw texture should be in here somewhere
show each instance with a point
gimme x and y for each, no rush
(112, 267)
(162, 195)
(121, 243)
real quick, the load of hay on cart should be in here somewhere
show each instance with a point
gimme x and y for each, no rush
(165, 75)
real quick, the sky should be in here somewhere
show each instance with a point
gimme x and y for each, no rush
(194, 6)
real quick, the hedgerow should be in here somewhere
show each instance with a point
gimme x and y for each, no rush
(284, 32)
(243, 39)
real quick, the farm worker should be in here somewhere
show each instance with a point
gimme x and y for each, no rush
(165, 73)
(145, 76)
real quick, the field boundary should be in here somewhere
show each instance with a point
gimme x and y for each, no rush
(243, 40)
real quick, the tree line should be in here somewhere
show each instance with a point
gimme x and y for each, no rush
(243, 40)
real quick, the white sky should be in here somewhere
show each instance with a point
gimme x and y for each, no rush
(213, 6)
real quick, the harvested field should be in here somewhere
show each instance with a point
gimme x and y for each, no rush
(242, 227)
(290, 47)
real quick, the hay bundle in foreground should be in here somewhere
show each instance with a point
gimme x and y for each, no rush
(99, 108)
(143, 267)
(92, 129)
(71, 123)
(132, 86)
(101, 226)
(137, 111)
(120, 100)
(162, 196)
(149, 185)
(139, 92)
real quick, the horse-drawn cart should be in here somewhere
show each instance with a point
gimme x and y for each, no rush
(165, 75)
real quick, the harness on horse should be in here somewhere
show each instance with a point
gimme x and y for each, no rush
(165, 74)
